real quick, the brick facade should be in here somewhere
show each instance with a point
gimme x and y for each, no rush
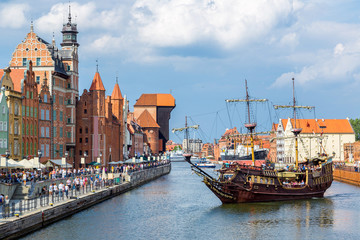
(45, 123)
(98, 129)
(30, 109)
(159, 107)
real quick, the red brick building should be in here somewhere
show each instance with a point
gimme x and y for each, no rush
(150, 129)
(159, 107)
(207, 151)
(30, 107)
(98, 129)
(45, 116)
(117, 102)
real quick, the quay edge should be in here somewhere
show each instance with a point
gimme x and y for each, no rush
(344, 176)
(30, 222)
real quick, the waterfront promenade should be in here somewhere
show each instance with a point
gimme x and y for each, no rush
(50, 209)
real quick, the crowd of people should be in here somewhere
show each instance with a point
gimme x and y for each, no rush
(286, 183)
(77, 184)
(26, 176)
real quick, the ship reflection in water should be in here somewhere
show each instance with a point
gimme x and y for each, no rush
(179, 206)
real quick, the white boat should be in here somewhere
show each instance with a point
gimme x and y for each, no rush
(205, 164)
(176, 156)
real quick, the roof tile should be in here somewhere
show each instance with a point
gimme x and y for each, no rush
(156, 99)
(97, 83)
(147, 121)
(116, 94)
(322, 125)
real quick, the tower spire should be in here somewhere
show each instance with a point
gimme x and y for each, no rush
(53, 39)
(69, 32)
(97, 65)
(69, 18)
(32, 26)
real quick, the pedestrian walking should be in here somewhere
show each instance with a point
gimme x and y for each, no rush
(7, 206)
(67, 191)
(61, 189)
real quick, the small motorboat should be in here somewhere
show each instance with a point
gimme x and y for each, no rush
(205, 164)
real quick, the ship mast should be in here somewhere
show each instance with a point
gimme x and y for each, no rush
(296, 131)
(250, 125)
(186, 128)
(186, 135)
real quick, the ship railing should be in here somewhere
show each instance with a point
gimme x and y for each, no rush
(269, 173)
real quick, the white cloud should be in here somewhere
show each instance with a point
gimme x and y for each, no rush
(88, 16)
(339, 65)
(13, 15)
(289, 40)
(229, 23)
(339, 49)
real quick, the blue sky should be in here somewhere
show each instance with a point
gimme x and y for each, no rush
(202, 50)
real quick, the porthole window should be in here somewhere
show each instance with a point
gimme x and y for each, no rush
(27, 49)
(36, 49)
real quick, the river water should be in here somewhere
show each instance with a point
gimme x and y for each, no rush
(180, 206)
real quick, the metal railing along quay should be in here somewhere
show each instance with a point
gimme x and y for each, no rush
(347, 168)
(20, 207)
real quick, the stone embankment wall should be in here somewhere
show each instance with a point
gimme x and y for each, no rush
(32, 221)
(347, 177)
(8, 189)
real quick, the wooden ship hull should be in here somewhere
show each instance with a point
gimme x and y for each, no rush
(242, 183)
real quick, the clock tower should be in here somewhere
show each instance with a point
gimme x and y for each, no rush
(70, 58)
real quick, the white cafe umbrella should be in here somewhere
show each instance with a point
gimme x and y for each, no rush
(25, 163)
(13, 164)
(48, 164)
(36, 164)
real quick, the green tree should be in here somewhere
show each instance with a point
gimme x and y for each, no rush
(355, 123)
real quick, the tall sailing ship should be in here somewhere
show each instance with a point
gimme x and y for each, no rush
(238, 183)
(186, 149)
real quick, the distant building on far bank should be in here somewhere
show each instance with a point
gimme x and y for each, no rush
(317, 136)
(195, 145)
(352, 151)
(153, 111)
(172, 146)
(207, 151)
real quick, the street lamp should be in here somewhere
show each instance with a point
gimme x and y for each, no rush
(66, 155)
(7, 155)
(85, 155)
(100, 156)
(39, 155)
